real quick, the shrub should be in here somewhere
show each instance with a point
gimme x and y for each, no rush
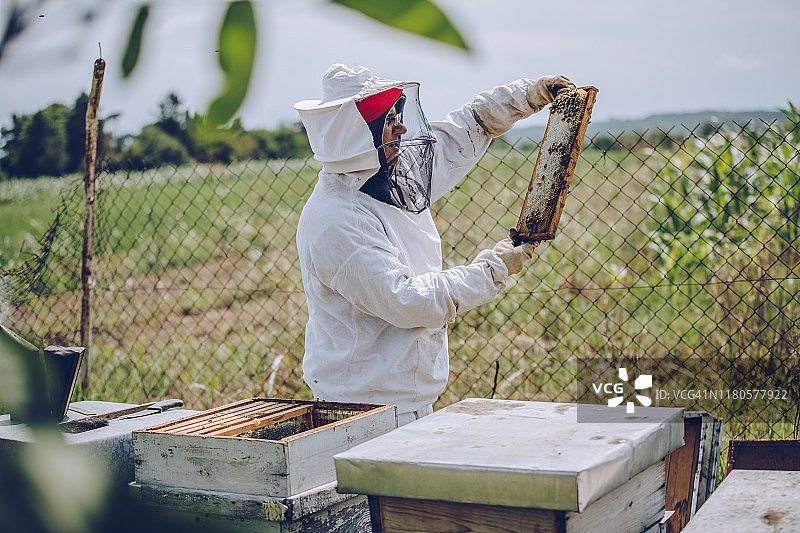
(152, 147)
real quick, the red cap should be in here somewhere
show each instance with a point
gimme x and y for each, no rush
(374, 106)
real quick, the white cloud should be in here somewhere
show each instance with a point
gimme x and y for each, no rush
(740, 62)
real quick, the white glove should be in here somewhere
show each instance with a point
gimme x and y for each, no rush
(545, 89)
(499, 109)
(514, 256)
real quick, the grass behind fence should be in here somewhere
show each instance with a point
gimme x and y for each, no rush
(199, 294)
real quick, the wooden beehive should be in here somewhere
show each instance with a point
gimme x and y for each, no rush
(262, 446)
(769, 454)
(692, 468)
(503, 465)
(555, 165)
(751, 501)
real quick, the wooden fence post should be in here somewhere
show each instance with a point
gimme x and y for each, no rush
(90, 161)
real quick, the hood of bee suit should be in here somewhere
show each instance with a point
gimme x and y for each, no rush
(337, 129)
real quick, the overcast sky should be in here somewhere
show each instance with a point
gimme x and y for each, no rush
(645, 57)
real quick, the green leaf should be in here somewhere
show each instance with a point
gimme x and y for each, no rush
(131, 56)
(237, 52)
(422, 17)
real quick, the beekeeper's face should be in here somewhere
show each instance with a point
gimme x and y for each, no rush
(392, 130)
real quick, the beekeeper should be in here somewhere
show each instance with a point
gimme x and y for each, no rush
(370, 255)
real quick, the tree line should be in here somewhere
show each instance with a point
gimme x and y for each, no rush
(51, 141)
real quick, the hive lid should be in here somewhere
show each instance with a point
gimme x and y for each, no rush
(751, 500)
(510, 453)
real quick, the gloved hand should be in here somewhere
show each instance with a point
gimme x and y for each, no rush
(545, 89)
(498, 109)
(514, 256)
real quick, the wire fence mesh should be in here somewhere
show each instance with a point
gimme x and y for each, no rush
(675, 245)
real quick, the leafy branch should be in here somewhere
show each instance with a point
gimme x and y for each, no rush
(239, 32)
(238, 37)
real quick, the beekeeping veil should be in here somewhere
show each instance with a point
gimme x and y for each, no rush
(346, 129)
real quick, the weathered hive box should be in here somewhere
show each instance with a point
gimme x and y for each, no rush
(321, 510)
(751, 501)
(269, 447)
(110, 446)
(493, 464)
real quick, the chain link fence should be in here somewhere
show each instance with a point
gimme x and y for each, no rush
(676, 245)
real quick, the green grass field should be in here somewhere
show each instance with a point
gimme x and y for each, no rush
(27, 208)
(199, 295)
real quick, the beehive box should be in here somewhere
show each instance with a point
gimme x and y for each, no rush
(486, 465)
(110, 446)
(751, 501)
(262, 446)
(321, 510)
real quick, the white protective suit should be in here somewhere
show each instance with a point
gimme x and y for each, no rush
(378, 299)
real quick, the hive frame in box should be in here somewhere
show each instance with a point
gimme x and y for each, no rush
(555, 165)
(218, 449)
